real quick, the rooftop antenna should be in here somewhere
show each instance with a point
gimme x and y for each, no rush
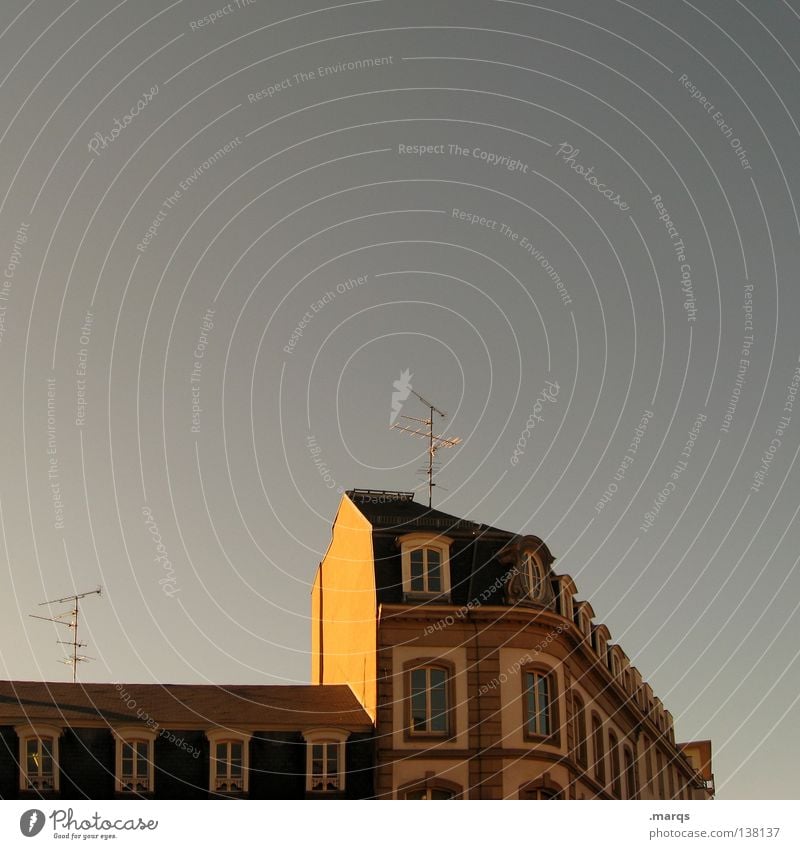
(70, 619)
(435, 442)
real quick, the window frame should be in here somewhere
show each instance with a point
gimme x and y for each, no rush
(421, 541)
(553, 737)
(39, 732)
(631, 779)
(411, 666)
(326, 737)
(125, 735)
(218, 736)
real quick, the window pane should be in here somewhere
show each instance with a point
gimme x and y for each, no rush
(417, 582)
(440, 794)
(434, 571)
(333, 759)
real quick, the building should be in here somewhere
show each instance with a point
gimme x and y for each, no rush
(485, 677)
(105, 741)
(449, 661)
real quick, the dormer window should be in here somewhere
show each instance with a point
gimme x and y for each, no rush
(533, 575)
(39, 767)
(425, 566)
(134, 759)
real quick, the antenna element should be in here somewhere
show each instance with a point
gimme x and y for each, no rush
(71, 622)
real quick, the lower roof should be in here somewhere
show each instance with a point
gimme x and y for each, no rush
(258, 707)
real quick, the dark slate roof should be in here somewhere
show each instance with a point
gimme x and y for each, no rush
(260, 707)
(398, 512)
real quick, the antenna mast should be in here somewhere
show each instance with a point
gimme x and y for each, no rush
(72, 622)
(435, 441)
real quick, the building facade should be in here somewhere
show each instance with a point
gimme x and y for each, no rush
(449, 661)
(486, 678)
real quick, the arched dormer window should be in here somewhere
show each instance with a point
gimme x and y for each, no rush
(529, 579)
(425, 566)
(38, 758)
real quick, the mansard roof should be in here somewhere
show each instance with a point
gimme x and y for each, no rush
(288, 707)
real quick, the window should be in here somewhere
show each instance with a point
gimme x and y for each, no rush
(616, 777)
(135, 773)
(538, 696)
(630, 775)
(39, 763)
(430, 788)
(426, 570)
(229, 761)
(38, 758)
(325, 758)
(539, 793)
(599, 753)
(228, 767)
(429, 793)
(660, 771)
(648, 765)
(579, 729)
(532, 574)
(425, 565)
(429, 700)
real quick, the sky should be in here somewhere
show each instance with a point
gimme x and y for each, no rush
(229, 230)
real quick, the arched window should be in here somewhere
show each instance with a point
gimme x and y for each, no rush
(648, 765)
(429, 698)
(325, 760)
(631, 791)
(533, 575)
(616, 776)
(229, 761)
(579, 730)
(135, 770)
(38, 759)
(540, 718)
(599, 749)
(429, 789)
(539, 794)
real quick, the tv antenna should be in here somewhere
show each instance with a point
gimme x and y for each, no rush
(70, 619)
(435, 441)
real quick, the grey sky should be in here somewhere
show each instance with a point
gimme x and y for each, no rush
(304, 229)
